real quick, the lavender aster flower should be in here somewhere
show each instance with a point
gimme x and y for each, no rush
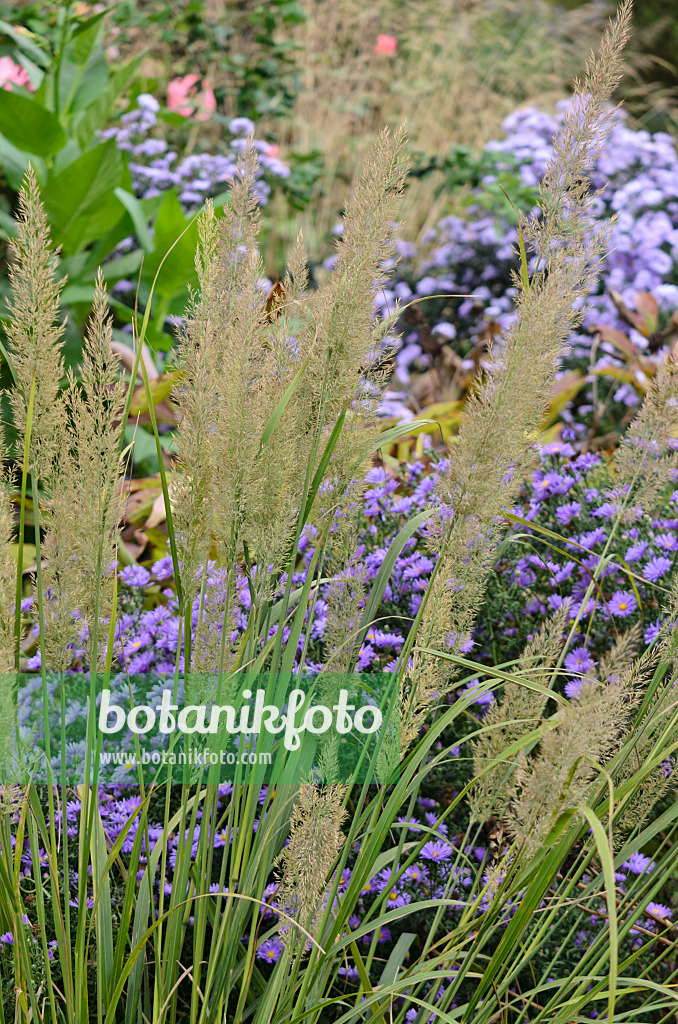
(566, 513)
(435, 851)
(135, 576)
(622, 604)
(656, 568)
(241, 126)
(579, 660)
(636, 551)
(270, 950)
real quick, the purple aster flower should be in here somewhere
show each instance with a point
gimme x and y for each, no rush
(431, 818)
(445, 330)
(377, 475)
(561, 448)
(589, 540)
(241, 126)
(7, 939)
(270, 950)
(365, 657)
(636, 551)
(587, 461)
(566, 513)
(382, 639)
(348, 972)
(666, 541)
(652, 631)
(573, 688)
(553, 483)
(579, 660)
(656, 568)
(473, 688)
(606, 511)
(563, 572)
(622, 604)
(163, 569)
(659, 910)
(222, 838)
(415, 873)
(373, 885)
(437, 851)
(638, 864)
(135, 576)
(148, 102)
(396, 899)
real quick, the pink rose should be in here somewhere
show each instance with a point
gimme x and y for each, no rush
(273, 150)
(385, 45)
(183, 99)
(13, 74)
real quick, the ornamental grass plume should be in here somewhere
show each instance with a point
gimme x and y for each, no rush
(647, 454)
(576, 742)
(503, 413)
(34, 337)
(656, 730)
(34, 344)
(513, 716)
(287, 374)
(86, 497)
(314, 844)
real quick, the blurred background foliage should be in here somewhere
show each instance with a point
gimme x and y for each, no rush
(312, 76)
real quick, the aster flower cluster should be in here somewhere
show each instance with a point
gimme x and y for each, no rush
(473, 254)
(570, 494)
(573, 496)
(457, 868)
(156, 168)
(147, 636)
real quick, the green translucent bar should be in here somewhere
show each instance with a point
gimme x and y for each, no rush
(244, 728)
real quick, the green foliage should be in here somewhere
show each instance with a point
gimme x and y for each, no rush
(461, 168)
(269, 84)
(54, 129)
(249, 46)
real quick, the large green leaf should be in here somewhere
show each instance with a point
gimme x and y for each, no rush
(14, 162)
(84, 38)
(28, 126)
(178, 269)
(92, 84)
(85, 189)
(85, 122)
(139, 217)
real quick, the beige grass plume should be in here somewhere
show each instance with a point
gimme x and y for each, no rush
(34, 337)
(315, 841)
(503, 413)
(85, 493)
(239, 358)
